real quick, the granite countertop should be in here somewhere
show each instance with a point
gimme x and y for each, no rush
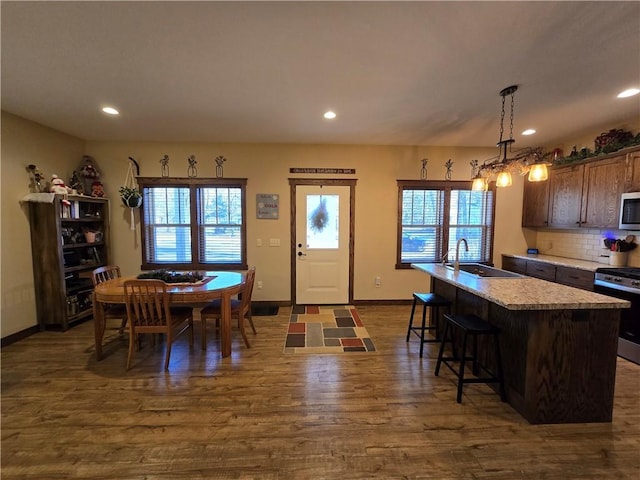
(561, 261)
(523, 293)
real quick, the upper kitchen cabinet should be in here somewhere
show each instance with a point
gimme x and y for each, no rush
(603, 186)
(535, 209)
(584, 194)
(565, 196)
(632, 177)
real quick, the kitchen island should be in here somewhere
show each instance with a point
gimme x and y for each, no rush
(559, 343)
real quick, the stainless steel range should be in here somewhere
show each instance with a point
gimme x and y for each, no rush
(624, 283)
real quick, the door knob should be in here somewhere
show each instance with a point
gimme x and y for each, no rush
(300, 254)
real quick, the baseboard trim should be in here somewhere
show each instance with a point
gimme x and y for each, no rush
(16, 337)
(382, 302)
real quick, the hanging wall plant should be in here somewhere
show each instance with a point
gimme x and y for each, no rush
(131, 197)
(129, 193)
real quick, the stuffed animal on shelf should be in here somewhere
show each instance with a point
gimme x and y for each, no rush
(58, 186)
(97, 189)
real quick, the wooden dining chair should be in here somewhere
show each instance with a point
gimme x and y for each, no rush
(148, 311)
(111, 311)
(240, 309)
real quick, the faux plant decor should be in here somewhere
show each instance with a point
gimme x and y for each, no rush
(172, 277)
(607, 142)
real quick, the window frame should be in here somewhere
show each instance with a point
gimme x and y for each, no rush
(194, 184)
(446, 187)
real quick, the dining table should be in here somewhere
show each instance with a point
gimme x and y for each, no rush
(214, 285)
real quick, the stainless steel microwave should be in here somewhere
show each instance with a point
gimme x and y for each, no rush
(630, 211)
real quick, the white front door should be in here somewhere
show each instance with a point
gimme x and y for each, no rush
(322, 244)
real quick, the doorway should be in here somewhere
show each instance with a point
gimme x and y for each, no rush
(322, 241)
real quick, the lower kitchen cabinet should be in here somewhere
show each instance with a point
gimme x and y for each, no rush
(573, 277)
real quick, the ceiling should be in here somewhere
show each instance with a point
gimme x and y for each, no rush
(396, 73)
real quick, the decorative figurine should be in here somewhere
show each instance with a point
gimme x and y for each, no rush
(97, 189)
(164, 166)
(89, 173)
(192, 171)
(423, 170)
(75, 184)
(58, 187)
(474, 167)
(37, 184)
(219, 161)
(449, 165)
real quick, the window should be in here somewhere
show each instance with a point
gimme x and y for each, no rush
(193, 224)
(433, 216)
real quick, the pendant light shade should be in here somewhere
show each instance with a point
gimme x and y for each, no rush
(479, 184)
(504, 179)
(538, 172)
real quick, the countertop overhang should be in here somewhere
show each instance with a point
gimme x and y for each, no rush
(525, 293)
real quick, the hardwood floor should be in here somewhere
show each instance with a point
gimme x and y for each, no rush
(263, 414)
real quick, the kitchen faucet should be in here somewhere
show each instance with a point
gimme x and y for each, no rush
(456, 264)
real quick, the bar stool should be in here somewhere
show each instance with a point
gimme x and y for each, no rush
(427, 300)
(474, 326)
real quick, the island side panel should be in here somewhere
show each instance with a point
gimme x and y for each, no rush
(572, 366)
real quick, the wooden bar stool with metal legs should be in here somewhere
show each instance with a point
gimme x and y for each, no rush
(427, 300)
(474, 326)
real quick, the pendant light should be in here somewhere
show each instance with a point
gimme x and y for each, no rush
(523, 161)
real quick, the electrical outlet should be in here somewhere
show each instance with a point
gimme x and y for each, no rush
(259, 242)
(259, 283)
(378, 281)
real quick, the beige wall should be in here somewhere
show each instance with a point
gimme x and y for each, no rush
(23, 143)
(267, 169)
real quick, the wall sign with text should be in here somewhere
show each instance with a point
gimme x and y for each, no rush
(267, 205)
(333, 171)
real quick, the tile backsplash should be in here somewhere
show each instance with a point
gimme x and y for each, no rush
(584, 244)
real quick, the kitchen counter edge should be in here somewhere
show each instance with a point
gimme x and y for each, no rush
(523, 293)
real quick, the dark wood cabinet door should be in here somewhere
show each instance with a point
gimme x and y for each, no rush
(512, 264)
(603, 185)
(565, 196)
(535, 206)
(632, 178)
(575, 277)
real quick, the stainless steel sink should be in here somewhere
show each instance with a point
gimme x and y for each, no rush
(483, 271)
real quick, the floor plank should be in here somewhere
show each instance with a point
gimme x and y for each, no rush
(265, 414)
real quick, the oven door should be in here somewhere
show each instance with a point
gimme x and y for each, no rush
(629, 343)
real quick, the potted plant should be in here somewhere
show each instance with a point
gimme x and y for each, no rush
(131, 196)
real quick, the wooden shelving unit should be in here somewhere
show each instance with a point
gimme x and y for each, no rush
(67, 243)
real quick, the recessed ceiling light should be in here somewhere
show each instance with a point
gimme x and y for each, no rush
(329, 115)
(110, 111)
(529, 131)
(630, 92)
